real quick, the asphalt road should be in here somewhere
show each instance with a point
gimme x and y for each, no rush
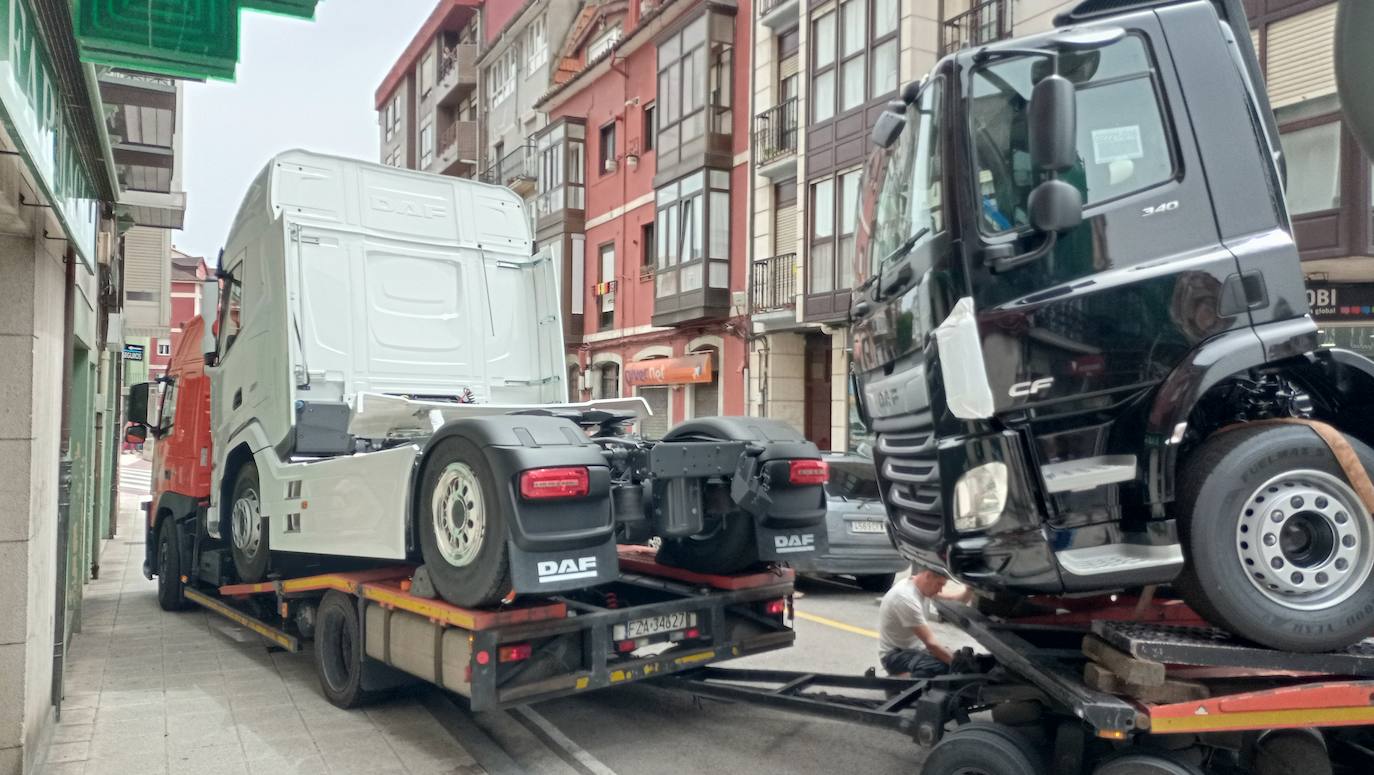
(644, 728)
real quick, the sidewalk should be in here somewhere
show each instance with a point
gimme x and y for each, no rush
(156, 693)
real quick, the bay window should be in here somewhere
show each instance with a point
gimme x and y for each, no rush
(695, 72)
(561, 174)
(692, 231)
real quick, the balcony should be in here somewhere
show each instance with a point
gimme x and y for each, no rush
(457, 150)
(775, 140)
(779, 14)
(985, 22)
(515, 170)
(773, 284)
(457, 73)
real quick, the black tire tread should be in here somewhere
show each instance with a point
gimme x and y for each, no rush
(170, 596)
(352, 694)
(249, 571)
(457, 585)
(731, 550)
(875, 582)
(986, 745)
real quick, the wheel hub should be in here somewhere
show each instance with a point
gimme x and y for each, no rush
(1305, 540)
(459, 514)
(246, 523)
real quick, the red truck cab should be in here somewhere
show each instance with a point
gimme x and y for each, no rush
(181, 454)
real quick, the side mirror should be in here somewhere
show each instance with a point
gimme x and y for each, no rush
(136, 434)
(888, 128)
(1053, 125)
(209, 313)
(1055, 206)
(136, 410)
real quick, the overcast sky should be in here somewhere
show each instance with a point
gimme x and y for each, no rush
(300, 84)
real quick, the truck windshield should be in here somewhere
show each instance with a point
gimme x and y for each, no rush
(1122, 140)
(904, 198)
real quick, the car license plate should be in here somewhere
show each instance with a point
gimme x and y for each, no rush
(867, 526)
(654, 625)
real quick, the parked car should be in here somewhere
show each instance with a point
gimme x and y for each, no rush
(856, 523)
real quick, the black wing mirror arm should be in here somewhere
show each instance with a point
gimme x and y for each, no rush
(1008, 263)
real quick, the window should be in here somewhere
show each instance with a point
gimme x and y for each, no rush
(607, 149)
(560, 168)
(854, 56)
(646, 249)
(501, 75)
(167, 408)
(608, 381)
(909, 197)
(1314, 168)
(164, 348)
(536, 46)
(692, 232)
(606, 320)
(426, 145)
(650, 129)
(694, 86)
(1123, 145)
(603, 43)
(427, 74)
(834, 215)
(392, 117)
(231, 310)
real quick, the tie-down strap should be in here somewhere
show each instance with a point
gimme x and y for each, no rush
(1346, 456)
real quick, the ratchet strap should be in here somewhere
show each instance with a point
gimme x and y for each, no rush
(1345, 455)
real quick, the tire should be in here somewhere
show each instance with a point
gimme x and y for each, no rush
(1286, 751)
(1142, 763)
(983, 748)
(463, 526)
(1279, 548)
(877, 582)
(339, 650)
(725, 545)
(170, 590)
(248, 528)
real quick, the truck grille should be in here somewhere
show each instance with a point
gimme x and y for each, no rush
(910, 477)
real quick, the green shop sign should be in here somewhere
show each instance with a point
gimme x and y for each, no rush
(180, 38)
(31, 108)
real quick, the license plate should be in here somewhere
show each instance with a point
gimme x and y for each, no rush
(654, 625)
(867, 526)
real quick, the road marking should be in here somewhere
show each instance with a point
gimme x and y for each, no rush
(837, 625)
(553, 737)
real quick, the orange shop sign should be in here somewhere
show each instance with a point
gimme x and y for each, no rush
(670, 371)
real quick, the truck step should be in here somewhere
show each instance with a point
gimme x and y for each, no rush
(1213, 647)
(1088, 473)
(1119, 558)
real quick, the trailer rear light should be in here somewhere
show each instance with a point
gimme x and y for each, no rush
(514, 652)
(565, 482)
(624, 646)
(808, 472)
(692, 634)
(482, 657)
(775, 607)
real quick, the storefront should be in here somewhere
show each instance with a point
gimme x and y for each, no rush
(1345, 313)
(655, 379)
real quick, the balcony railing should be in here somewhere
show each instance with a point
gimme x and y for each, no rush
(774, 283)
(985, 22)
(775, 132)
(457, 143)
(457, 67)
(516, 167)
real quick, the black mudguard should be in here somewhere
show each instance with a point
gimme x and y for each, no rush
(554, 545)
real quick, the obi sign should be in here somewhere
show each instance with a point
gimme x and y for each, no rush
(1344, 301)
(32, 113)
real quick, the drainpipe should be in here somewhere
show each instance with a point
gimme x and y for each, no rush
(64, 480)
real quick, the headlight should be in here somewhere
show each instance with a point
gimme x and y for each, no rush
(979, 496)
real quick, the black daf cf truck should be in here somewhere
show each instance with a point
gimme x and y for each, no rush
(1082, 339)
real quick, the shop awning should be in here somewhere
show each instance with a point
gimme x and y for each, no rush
(687, 370)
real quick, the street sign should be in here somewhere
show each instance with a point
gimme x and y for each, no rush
(133, 352)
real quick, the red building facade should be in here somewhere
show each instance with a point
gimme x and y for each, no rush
(642, 181)
(188, 272)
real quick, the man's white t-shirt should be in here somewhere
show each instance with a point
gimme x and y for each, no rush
(903, 608)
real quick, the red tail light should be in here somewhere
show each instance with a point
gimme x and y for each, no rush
(624, 646)
(514, 652)
(567, 482)
(775, 607)
(808, 472)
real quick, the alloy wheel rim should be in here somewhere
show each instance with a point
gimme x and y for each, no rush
(460, 515)
(1305, 541)
(246, 523)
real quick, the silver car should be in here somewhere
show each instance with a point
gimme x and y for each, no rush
(857, 525)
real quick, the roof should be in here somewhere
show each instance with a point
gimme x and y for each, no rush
(186, 268)
(448, 16)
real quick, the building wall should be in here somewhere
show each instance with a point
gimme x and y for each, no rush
(147, 281)
(515, 119)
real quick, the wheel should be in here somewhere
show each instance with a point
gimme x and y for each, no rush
(983, 748)
(877, 582)
(1280, 549)
(339, 650)
(170, 590)
(725, 545)
(1286, 751)
(1142, 763)
(248, 528)
(463, 527)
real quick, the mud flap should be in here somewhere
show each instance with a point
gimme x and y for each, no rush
(790, 545)
(558, 571)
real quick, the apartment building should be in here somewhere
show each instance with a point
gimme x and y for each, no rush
(427, 104)
(516, 67)
(642, 185)
(187, 274)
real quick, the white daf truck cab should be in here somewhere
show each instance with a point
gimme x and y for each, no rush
(387, 384)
